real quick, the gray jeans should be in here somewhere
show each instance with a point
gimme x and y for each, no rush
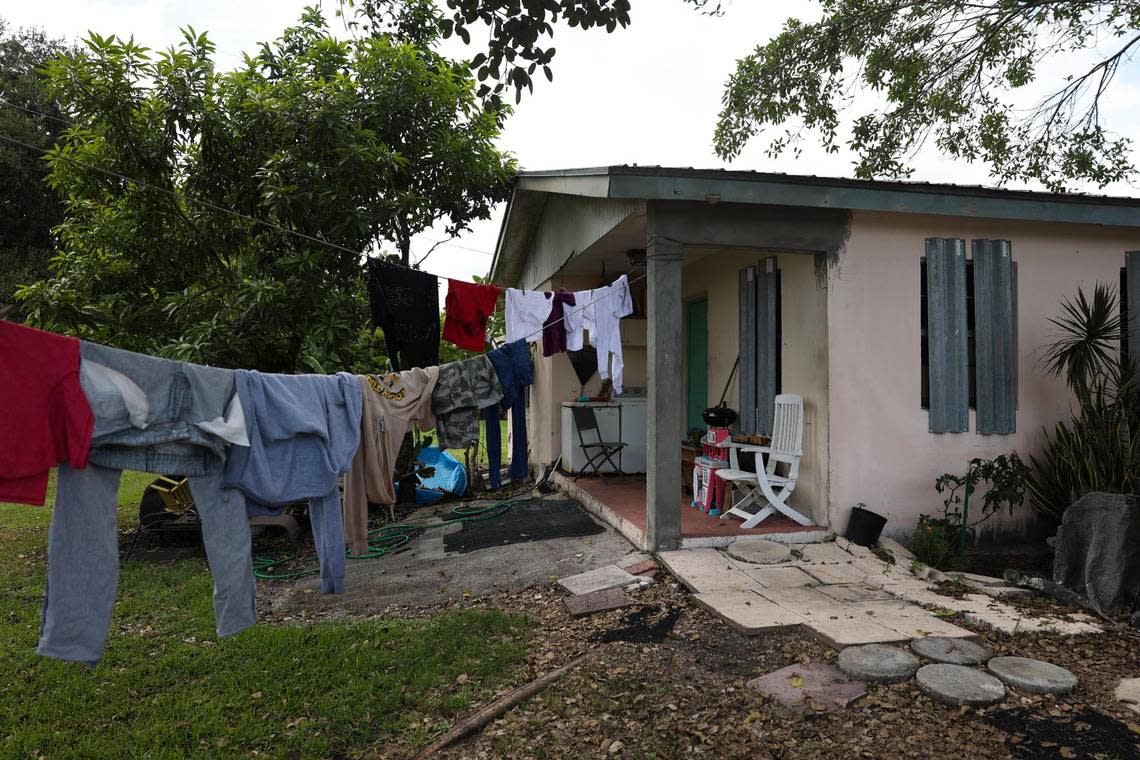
(83, 560)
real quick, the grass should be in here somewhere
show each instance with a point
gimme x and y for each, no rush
(167, 687)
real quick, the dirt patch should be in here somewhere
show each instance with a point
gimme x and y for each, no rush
(650, 624)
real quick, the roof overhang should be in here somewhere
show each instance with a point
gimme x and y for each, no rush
(652, 183)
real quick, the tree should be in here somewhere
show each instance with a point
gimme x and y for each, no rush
(28, 208)
(217, 217)
(943, 71)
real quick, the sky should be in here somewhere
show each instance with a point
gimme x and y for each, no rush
(648, 94)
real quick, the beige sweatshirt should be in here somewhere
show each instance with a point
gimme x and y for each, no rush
(392, 404)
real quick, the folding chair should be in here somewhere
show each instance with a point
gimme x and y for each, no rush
(765, 486)
(602, 451)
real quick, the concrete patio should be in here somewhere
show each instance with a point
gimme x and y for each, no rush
(845, 595)
(619, 501)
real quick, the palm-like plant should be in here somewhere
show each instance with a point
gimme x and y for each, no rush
(1098, 448)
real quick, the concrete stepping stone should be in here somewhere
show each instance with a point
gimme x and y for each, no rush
(950, 651)
(1034, 676)
(877, 662)
(958, 685)
(851, 593)
(607, 576)
(908, 619)
(818, 682)
(761, 552)
(581, 605)
(747, 612)
(1128, 692)
(706, 570)
(779, 577)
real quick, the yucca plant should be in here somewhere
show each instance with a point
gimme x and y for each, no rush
(1098, 448)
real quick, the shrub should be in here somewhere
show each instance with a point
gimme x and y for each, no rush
(935, 541)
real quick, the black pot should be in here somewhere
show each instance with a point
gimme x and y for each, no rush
(719, 416)
(864, 527)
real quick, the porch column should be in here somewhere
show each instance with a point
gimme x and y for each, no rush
(666, 401)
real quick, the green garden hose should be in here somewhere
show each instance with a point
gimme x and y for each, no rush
(388, 539)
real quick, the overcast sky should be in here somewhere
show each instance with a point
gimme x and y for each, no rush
(648, 94)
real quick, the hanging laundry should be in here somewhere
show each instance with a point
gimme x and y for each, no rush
(525, 312)
(515, 371)
(148, 415)
(44, 417)
(392, 404)
(303, 431)
(405, 305)
(554, 327)
(610, 304)
(463, 389)
(576, 319)
(468, 306)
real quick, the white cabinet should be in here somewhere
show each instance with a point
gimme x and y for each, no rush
(622, 420)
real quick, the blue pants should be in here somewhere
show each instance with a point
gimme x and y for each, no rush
(83, 560)
(520, 466)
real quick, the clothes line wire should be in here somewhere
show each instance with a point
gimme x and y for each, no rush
(222, 209)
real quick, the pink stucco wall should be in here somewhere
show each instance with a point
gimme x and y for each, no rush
(882, 452)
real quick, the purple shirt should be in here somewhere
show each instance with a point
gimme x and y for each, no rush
(554, 328)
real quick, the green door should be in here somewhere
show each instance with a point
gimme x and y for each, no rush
(697, 355)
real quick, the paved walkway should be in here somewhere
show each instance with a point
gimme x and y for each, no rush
(845, 595)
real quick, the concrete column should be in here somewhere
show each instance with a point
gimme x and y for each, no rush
(666, 401)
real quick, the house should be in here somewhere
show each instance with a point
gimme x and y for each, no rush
(820, 286)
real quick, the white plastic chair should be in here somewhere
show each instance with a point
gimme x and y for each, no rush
(764, 486)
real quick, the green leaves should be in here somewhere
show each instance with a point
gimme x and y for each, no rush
(944, 70)
(358, 143)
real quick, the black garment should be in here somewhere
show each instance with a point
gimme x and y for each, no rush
(405, 305)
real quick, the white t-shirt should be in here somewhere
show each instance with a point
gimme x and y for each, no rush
(609, 305)
(578, 318)
(525, 312)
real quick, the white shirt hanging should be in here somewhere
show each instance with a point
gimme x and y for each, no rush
(525, 312)
(610, 304)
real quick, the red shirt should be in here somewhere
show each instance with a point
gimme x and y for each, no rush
(468, 307)
(44, 417)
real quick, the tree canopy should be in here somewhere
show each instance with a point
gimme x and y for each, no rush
(217, 216)
(28, 208)
(945, 72)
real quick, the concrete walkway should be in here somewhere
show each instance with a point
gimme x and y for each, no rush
(845, 595)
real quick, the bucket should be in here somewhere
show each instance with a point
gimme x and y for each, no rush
(864, 527)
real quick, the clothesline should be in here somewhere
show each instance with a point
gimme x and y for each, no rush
(222, 209)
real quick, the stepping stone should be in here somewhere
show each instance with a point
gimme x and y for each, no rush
(957, 685)
(1128, 692)
(779, 577)
(1033, 675)
(851, 593)
(908, 619)
(706, 570)
(760, 552)
(582, 605)
(877, 662)
(850, 631)
(607, 576)
(747, 612)
(818, 682)
(950, 651)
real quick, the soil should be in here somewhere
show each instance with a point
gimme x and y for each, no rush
(666, 679)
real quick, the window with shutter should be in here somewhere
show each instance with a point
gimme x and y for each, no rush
(995, 364)
(759, 346)
(947, 344)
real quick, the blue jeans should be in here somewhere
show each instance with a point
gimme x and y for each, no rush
(83, 560)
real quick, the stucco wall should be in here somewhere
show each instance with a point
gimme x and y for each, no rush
(714, 274)
(882, 451)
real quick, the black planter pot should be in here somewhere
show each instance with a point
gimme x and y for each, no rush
(864, 527)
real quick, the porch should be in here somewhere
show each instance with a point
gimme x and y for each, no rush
(620, 502)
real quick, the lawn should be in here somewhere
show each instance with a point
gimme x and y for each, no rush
(481, 457)
(168, 687)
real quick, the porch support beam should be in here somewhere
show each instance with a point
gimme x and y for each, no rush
(663, 488)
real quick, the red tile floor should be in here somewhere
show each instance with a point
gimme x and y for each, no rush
(625, 496)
